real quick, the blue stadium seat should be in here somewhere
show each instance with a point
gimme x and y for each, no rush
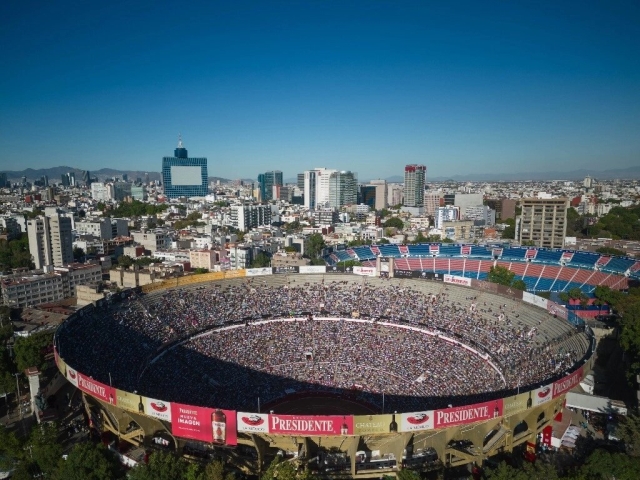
(586, 259)
(515, 253)
(619, 264)
(419, 250)
(364, 253)
(389, 250)
(548, 256)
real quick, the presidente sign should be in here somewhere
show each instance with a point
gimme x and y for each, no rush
(311, 425)
(468, 414)
(455, 280)
(567, 383)
(96, 389)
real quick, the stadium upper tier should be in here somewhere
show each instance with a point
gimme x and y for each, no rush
(541, 269)
(418, 344)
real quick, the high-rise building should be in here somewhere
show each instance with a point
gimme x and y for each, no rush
(3, 180)
(102, 192)
(543, 221)
(368, 196)
(300, 183)
(431, 202)
(65, 179)
(316, 187)
(246, 217)
(414, 178)
(183, 176)
(50, 240)
(86, 178)
(343, 189)
(381, 194)
(267, 181)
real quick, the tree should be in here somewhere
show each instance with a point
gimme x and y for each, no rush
(604, 465)
(500, 275)
(125, 261)
(519, 285)
(45, 449)
(11, 449)
(629, 432)
(350, 263)
(314, 245)
(161, 466)
(510, 230)
(30, 351)
(611, 251)
(406, 474)
(394, 222)
(261, 260)
(78, 253)
(89, 462)
(420, 238)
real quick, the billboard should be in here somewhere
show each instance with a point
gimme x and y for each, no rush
(534, 300)
(311, 425)
(567, 383)
(287, 269)
(517, 403)
(96, 389)
(542, 395)
(204, 424)
(312, 269)
(557, 310)
(335, 269)
(143, 405)
(253, 422)
(449, 417)
(464, 281)
(410, 422)
(366, 271)
(72, 376)
(371, 424)
(253, 272)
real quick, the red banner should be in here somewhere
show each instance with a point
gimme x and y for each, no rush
(96, 389)
(546, 435)
(567, 383)
(205, 424)
(311, 425)
(468, 414)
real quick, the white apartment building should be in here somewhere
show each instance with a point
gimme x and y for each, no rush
(152, 240)
(102, 192)
(50, 240)
(446, 214)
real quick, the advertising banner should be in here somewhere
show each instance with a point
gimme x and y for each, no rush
(410, 422)
(204, 424)
(464, 281)
(311, 425)
(546, 435)
(254, 272)
(313, 269)
(403, 273)
(534, 300)
(370, 424)
(510, 292)
(517, 403)
(157, 408)
(557, 310)
(542, 395)
(253, 422)
(567, 383)
(366, 271)
(96, 389)
(72, 376)
(335, 269)
(129, 401)
(287, 269)
(468, 414)
(486, 286)
(215, 276)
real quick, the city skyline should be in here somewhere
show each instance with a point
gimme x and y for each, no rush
(367, 87)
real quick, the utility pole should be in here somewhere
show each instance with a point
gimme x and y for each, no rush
(18, 387)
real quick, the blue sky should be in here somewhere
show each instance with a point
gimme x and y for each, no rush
(365, 86)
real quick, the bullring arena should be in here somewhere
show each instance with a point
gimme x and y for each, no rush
(358, 372)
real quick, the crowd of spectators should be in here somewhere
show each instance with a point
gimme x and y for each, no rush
(228, 344)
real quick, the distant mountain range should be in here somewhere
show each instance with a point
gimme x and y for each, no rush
(55, 173)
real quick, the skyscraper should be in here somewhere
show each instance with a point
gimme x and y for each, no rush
(267, 181)
(50, 240)
(414, 177)
(343, 189)
(543, 221)
(316, 187)
(183, 176)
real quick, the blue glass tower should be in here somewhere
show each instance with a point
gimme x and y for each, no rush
(183, 176)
